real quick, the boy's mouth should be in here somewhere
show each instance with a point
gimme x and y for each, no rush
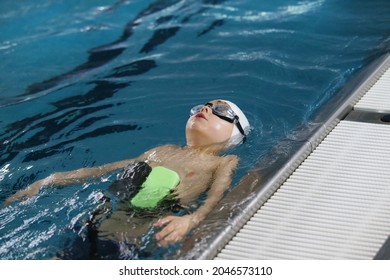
(200, 115)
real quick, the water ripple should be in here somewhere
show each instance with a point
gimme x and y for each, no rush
(282, 13)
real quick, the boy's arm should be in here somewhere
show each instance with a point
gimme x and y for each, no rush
(177, 227)
(66, 178)
(222, 180)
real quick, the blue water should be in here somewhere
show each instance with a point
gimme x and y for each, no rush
(84, 83)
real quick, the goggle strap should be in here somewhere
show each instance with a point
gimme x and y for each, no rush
(237, 122)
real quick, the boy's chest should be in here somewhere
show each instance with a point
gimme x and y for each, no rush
(190, 167)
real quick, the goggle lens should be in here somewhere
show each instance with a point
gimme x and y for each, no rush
(218, 110)
(222, 111)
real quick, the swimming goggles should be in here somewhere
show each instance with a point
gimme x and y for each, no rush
(224, 112)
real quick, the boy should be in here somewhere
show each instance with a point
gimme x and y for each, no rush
(211, 128)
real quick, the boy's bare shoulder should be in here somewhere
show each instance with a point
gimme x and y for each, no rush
(168, 147)
(231, 158)
(163, 148)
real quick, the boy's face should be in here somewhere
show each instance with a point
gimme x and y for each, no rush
(205, 128)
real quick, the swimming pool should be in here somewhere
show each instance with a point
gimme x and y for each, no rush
(86, 84)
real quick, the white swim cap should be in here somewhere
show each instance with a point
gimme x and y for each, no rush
(237, 137)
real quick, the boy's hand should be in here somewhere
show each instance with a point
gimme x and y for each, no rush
(31, 190)
(175, 229)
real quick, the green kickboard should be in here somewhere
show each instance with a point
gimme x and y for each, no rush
(156, 187)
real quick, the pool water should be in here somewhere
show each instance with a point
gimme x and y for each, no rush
(84, 83)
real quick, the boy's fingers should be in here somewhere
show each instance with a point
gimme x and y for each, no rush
(165, 232)
(163, 221)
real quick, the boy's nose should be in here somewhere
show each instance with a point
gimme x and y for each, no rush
(205, 109)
